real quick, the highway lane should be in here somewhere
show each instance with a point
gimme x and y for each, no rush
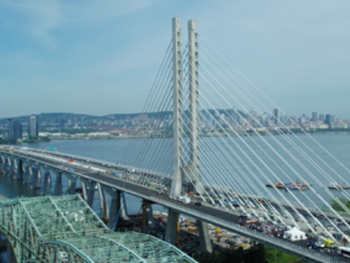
(106, 165)
(130, 188)
(113, 180)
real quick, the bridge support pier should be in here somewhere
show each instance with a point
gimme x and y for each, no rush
(103, 202)
(18, 175)
(26, 174)
(148, 222)
(2, 163)
(11, 166)
(117, 207)
(36, 179)
(204, 239)
(11, 258)
(171, 227)
(88, 188)
(58, 183)
(72, 182)
(47, 182)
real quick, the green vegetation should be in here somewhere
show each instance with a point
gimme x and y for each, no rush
(337, 207)
(8, 141)
(254, 255)
(258, 254)
(276, 256)
(36, 139)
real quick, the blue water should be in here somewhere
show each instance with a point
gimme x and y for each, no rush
(156, 154)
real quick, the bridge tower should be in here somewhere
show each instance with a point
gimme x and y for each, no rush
(193, 86)
(177, 111)
(205, 243)
(176, 185)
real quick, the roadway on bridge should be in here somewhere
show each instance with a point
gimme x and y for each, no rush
(145, 193)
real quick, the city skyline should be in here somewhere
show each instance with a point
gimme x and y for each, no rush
(97, 58)
(157, 121)
(311, 115)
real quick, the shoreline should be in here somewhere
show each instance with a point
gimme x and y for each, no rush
(248, 133)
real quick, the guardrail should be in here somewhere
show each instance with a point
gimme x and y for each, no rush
(272, 241)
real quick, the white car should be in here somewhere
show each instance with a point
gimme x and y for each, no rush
(320, 244)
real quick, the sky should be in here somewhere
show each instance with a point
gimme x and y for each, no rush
(101, 57)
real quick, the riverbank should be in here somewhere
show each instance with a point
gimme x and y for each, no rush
(256, 132)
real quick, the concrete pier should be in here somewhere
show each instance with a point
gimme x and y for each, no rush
(171, 227)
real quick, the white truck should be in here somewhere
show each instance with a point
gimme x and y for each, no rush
(185, 199)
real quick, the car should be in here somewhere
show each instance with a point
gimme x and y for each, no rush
(235, 203)
(199, 203)
(312, 245)
(320, 244)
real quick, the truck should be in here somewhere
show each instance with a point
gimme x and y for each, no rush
(328, 243)
(184, 199)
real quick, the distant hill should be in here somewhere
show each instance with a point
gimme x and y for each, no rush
(68, 120)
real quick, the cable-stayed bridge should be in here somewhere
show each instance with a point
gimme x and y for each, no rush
(211, 151)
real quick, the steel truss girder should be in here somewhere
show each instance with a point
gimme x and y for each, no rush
(65, 229)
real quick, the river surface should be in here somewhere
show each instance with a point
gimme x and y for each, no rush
(156, 154)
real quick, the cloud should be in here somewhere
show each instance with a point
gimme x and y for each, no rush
(91, 10)
(36, 18)
(39, 18)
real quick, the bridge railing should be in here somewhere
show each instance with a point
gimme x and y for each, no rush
(256, 235)
(324, 209)
(312, 208)
(89, 160)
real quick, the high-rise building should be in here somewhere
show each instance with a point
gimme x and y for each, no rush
(314, 116)
(276, 117)
(321, 117)
(14, 129)
(329, 120)
(33, 126)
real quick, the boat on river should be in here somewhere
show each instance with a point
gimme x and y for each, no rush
(278, 185)
(336, 186)
(291, 186)
(297, 186)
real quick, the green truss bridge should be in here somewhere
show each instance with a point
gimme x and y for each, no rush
(65, 229)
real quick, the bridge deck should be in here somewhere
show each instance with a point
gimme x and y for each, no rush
(219, 216)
